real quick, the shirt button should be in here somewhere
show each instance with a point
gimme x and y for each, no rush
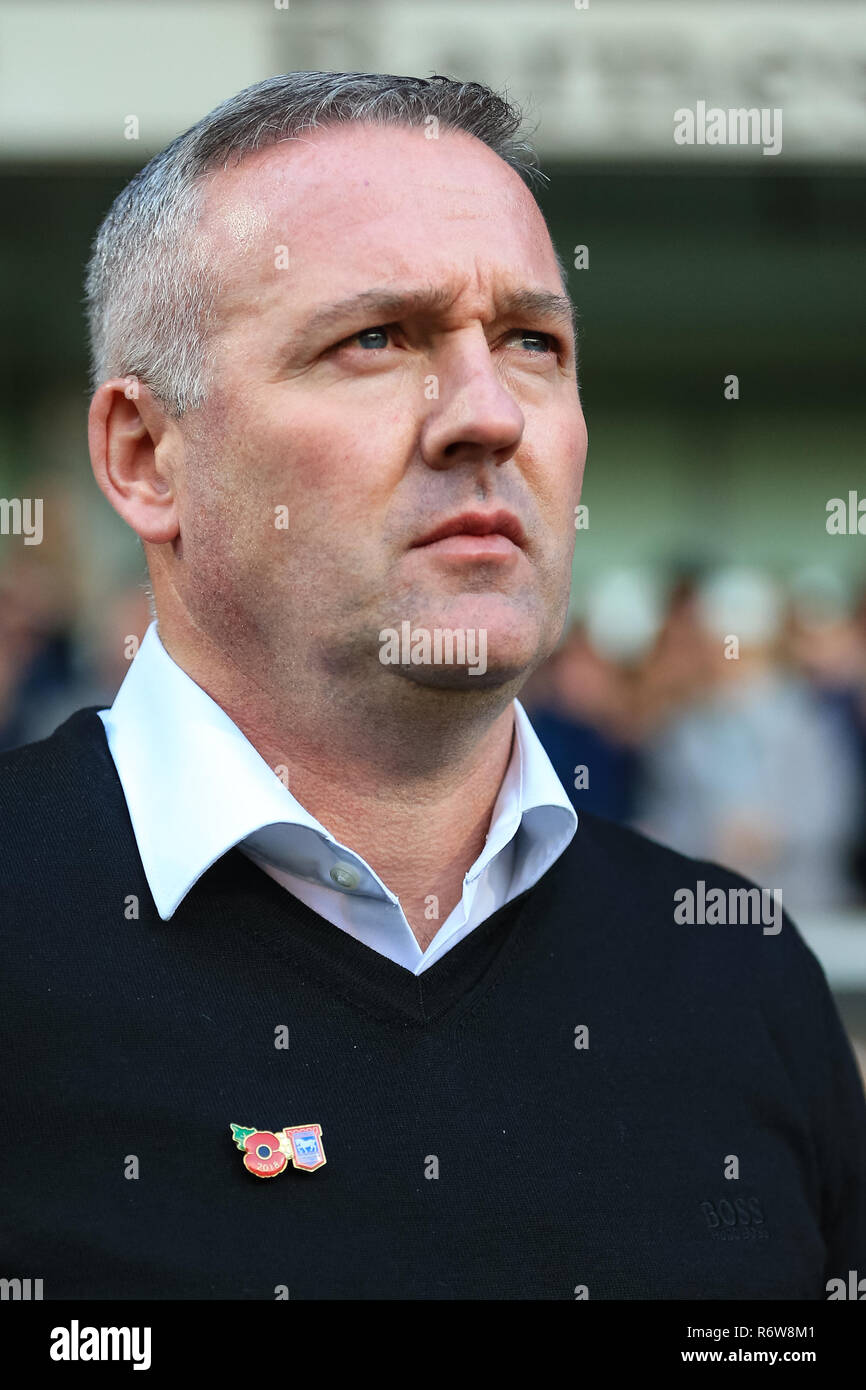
(345, 875)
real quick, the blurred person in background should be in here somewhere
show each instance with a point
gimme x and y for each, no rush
(582, 702)
(756, 772)
(678, 666)
(615, 677)
(582, 715)
(52, 660)
(825, 639)
(40, 593)
(99, 660)
(36, 647)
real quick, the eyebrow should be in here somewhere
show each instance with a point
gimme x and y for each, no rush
(386, 304)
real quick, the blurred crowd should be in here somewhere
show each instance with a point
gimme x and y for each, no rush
(725, 715)
(719, 712)
(53, 661)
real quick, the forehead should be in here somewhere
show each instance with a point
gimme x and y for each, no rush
(350, 205)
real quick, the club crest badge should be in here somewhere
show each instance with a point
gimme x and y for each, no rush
(267, 1152)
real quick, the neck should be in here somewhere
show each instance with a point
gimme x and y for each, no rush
(405, 776)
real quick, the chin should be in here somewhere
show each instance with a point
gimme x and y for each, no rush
(454, 656)
(460, 678)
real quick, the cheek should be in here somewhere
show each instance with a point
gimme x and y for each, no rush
(571, 481)
(335, 468)
(291, 505)
(227, 521)
(574, 446)
(561, 459)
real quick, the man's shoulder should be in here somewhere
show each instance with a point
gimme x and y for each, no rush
(63, 779)
(616, 837)
(81, 733)
(612, 848)
(695, 912)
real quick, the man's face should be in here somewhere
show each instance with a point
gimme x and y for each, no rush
(367, 429)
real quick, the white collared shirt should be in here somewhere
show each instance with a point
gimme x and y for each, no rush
(196, 787)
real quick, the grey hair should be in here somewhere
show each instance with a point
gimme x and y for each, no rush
(150, 293)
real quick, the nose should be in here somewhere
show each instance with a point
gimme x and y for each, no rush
(474, 417)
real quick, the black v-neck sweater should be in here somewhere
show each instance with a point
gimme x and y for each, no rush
(556, 1109)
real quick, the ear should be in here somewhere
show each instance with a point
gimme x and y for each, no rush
(136, 452)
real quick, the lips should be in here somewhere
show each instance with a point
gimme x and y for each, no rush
(501, 523)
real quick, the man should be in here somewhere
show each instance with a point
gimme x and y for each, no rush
(312, 989)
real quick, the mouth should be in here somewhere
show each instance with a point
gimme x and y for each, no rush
(476, 535)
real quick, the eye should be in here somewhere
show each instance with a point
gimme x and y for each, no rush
(543, 342)
(369, 338)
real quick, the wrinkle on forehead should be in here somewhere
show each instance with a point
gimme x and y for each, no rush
(370, 163)
(335, 192)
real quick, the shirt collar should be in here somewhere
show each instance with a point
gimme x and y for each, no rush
(195, 786)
